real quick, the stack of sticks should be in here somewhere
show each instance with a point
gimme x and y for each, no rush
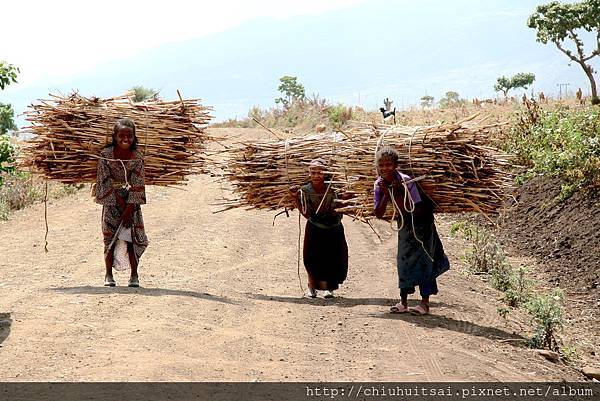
(70, 132)
(453, 163)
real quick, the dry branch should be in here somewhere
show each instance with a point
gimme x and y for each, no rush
(453, 163)
(70, 132)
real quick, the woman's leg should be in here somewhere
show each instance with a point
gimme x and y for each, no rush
(132, 261)
(108, 276)
(426, 289)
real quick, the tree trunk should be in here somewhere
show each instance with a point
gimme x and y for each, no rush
(590, 75)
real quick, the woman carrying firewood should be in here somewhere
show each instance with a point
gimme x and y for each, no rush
(325, 250)
(420, 258)
(120, 189)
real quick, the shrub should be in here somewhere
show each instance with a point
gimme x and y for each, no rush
(547, 313)
(20, 190)
(562, 143)
(485, 254)
(7, 153)
(339, 115)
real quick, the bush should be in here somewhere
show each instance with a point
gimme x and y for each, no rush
(19, 190)
(569, 354)
(339, 115)
(518, 290)
(7, 153)
(486, 256)
(547, 313)
(562, 143)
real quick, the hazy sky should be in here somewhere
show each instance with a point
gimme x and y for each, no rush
(231, 53)
(59, 38)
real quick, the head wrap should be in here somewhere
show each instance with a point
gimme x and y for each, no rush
(320, 163)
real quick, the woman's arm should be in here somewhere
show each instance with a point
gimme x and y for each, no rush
(137, 191)
(105, 194)
(381, 198)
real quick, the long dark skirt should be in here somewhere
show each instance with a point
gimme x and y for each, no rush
(420, 263)
(325, 256)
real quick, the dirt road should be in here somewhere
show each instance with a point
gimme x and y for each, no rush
(221, 300)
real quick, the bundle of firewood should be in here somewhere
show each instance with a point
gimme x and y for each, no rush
(453, 163)
(70, 132)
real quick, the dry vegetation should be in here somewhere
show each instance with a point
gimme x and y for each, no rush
(452, 162)
(69, 133)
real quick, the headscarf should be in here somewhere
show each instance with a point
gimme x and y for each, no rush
(320, 163)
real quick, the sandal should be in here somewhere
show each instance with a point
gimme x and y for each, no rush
(399, 308)
(419, 310)
(109, 282)
(134, 282)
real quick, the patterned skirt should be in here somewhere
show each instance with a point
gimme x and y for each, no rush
(111, 219)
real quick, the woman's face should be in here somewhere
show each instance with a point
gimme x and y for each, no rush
(317, 176)
(387, 169)
(124, 138)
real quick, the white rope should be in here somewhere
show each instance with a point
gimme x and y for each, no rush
(303, 201)
(324, 195)
(126, 186)
(409, 207)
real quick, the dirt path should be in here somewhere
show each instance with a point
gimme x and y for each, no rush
(220, 300)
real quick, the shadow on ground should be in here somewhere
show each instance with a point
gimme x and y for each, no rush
(460, 326)
(341, 302)
(152, 292)
(5, 323)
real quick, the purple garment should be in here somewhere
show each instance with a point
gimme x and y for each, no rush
(412, 189)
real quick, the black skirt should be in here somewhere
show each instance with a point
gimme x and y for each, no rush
(325, 256)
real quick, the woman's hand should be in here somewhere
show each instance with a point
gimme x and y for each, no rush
(345, 195)
(294, 190)
(384, 188)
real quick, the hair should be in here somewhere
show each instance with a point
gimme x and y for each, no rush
(124, 123)
(386, 152)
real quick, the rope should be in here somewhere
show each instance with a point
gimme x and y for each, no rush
(46, 217)
(287, 171)
(126, 186)
(106, 121)
(409, 151)
(146, 130)
(324, 195)
(303, 201)
(299, 237)
(409, 207)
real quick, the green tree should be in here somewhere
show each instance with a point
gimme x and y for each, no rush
(520, 80)
(427, 101)
(7, 152)
(555, 22)
(8, 74)
(291, 89)
(140, 93)
(7, 122)
(451, 99)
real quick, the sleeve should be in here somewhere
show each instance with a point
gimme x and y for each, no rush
(105, 194)
(377, 193)
(137, 192)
